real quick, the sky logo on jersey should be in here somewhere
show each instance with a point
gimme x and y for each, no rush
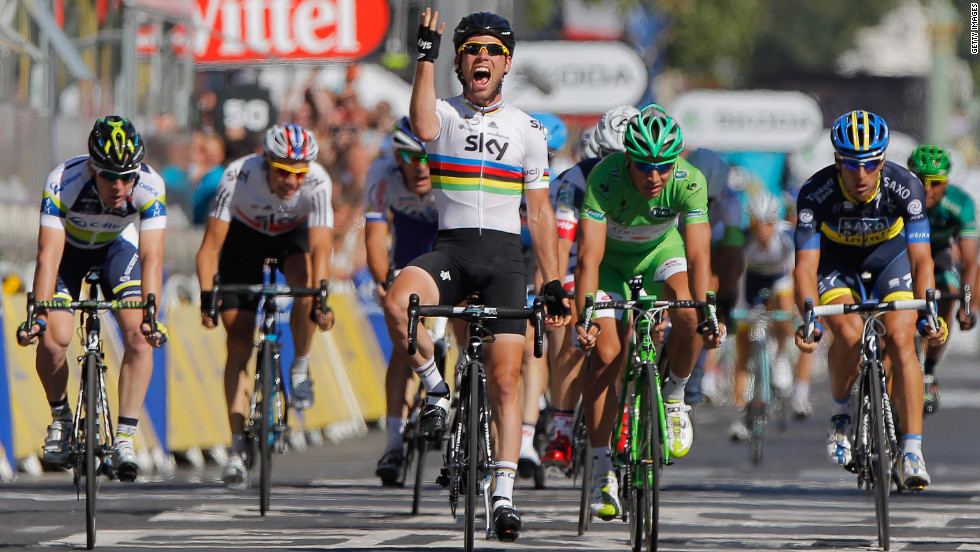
(475, 142)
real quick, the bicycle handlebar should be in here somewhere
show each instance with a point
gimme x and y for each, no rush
(810, 312)
(91, 305)
(475, 313)
(319, 295)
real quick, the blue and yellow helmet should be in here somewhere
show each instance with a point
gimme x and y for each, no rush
(859, 134)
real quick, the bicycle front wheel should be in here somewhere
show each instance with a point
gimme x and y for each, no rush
(265, 376)
(880, 455)
(651, 459)
(582, 459)
(91, 387)
(758, 408)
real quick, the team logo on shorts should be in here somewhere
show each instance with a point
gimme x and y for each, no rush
(445, 275)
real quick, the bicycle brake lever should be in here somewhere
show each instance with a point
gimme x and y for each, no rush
(538, 318)
(413, 323)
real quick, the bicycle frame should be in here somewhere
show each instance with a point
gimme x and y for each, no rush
(91, 441)
(468, 451)
(874, 430)
(267, 422)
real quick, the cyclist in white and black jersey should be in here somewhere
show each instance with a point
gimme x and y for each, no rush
(400, 205)
(89, 210)
(273, 205)
(483, 154)
(568, 195)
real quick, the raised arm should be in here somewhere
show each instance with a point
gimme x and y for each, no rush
(422, 108)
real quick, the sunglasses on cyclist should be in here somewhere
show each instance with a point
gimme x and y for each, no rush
(648, 168)
(933, 180)
(288, 170)
(113, 176)
(868, 164)
(413, 158)
(492, 48)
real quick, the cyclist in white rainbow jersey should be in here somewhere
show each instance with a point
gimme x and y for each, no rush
(483, 155)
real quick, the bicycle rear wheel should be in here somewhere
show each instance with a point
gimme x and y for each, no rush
(880, 456)
(91, 387)
(266, 374)
(635, 471)
(472, 453)
(758, 408)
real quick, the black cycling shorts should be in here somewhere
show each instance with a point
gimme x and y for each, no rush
(243, 256)
(491, 262)
(119, 271)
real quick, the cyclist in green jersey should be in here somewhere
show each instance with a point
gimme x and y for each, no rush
(629, 227)
(954, 249)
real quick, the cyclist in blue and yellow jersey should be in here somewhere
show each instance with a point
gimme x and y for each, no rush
(88, 217)
(863, 219)
(954, 249)
(270, 205)
(400, 205)
(629, 227)
(568, 194)
(484, 154)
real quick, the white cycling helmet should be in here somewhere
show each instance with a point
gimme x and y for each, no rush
(290, 141)
(765, 207)
(587, 147)
(611, 128)
(403, 139)
(714, 169)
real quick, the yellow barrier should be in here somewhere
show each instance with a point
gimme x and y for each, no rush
(346, 366)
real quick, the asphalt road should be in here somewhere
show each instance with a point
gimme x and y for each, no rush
(327, 498)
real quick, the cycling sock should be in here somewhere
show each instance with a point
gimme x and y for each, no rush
(238, 443)
(527, 440)
(564, 422)
(929, 367)
(60, 409)
(300, 370)
(841, 406)
(395, 427)
(503, 480)
(431, 379)
(802, 390)
(126, 429)
(912, 442)
(673, 389)
(601, 461)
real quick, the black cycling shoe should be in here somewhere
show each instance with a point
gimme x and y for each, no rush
(390, 468)
(506, 520)
(433, 422)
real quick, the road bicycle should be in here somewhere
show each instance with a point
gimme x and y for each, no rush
(876, 453)
(469, 460)
(90, 443)
(267, 422)
(767, 400)
(646, 449)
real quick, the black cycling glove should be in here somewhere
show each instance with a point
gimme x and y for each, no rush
(207, 297)
(553, 294)
(428, 44)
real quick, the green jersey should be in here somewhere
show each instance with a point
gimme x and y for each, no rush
(952, 219)
(635, 224)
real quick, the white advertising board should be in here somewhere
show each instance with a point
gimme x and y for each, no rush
(747, 120)
(574, 77)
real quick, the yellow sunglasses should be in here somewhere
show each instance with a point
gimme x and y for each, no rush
(290, 170)
(934, 180)
(492, 48)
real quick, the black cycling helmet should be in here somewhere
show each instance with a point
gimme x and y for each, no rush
(484, 23)
(115, 145)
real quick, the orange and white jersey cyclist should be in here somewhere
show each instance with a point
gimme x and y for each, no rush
(484, 154)
(270, 205)
(89, 210)
(865, 216)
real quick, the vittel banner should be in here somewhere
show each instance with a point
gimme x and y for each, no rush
(232, 31)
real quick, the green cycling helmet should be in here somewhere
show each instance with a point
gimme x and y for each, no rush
(653, 136)
(929, 160)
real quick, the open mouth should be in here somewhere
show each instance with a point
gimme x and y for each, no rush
(481, 76)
